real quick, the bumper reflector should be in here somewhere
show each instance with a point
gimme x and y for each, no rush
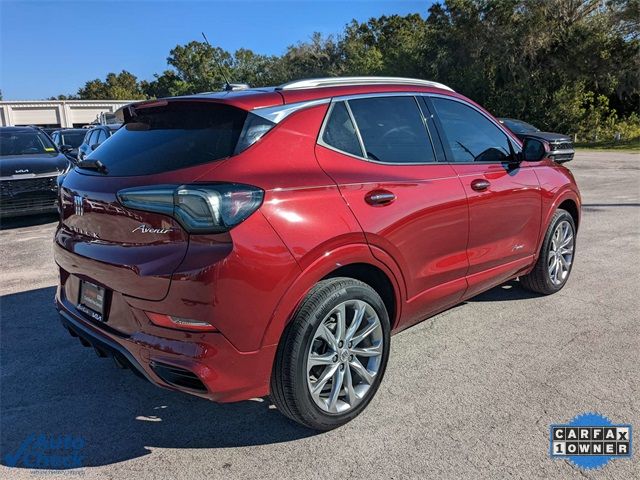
(168, 321)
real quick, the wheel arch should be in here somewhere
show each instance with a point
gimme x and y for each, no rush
(572, 207)
(373, 276)
(568, 200)
(354, 261)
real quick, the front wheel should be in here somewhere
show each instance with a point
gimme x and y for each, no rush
(553, 267)
(333, 355)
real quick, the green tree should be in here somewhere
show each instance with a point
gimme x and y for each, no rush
(121, 86)
(572, 66)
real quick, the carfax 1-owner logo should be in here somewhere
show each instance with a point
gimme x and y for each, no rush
(590, 441)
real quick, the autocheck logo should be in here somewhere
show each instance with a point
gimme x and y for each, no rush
(48, 451)
(144, 228)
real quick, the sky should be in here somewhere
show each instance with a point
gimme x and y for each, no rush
(49, 48)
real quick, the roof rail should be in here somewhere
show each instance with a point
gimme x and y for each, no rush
(347, 81)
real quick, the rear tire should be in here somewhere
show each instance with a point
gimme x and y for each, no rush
(333, 354)
(556, 257)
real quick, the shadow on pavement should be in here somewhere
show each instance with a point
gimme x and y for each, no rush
(27, 221)
(511, 290)
(51, 385)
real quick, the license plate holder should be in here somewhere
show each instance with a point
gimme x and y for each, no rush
(92, 300)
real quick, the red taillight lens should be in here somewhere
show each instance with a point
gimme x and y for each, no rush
(179, 323)
(200, 208)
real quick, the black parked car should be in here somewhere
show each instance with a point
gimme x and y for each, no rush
(561, 145)
(94, 138)
(68, 140)
(29, 168)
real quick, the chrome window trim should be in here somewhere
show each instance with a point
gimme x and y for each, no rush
(501, 127)
(425, 122)
(363, 149)
(335, 100)
(424, 94)
(280, 112)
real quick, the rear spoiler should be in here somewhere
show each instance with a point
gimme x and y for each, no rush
(127, 112)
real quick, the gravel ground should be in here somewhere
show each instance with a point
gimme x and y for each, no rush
(469, 393)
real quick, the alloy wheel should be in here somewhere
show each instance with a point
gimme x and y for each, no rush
(561, 253)
(345, 356)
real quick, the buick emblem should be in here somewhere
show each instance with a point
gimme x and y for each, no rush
(78, 203)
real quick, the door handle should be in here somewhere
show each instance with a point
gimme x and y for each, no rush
(480, 184)
(379, 197)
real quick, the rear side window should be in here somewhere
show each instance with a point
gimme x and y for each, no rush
(93, 137)
(339, 131)
(102, 136)
(471, 136)
(392, 129)
(172, 136)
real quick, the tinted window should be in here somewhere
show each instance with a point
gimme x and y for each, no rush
(102, 136)
(518, 126)
(28, 142)
(172, 136)
(339, 131)
(392, 129)
(73, 139)
(93, 137)
(471, 136)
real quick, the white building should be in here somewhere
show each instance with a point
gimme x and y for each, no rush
(55, 113)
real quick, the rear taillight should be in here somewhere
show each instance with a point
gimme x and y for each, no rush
(200, 208)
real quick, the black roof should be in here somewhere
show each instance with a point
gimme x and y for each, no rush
(19, 129)
(67, 130)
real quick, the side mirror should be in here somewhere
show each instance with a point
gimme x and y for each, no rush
(65, 148)
(534, 150)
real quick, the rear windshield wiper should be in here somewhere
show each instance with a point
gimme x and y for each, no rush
(91, 164)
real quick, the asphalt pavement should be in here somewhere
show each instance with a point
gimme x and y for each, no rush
(468, 394)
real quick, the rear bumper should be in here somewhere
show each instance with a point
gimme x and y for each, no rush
(201, 364)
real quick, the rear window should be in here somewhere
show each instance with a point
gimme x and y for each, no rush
(73, 139)
(171, 136)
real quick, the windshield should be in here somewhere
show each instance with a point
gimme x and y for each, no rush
(25, 143)
(518, 126)
(171, 136)
(73, 139)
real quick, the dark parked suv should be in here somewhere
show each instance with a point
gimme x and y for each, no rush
(29, 169)
(238, 244)
(68, 140)
(560, 146)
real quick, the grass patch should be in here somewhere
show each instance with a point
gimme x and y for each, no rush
(629, 145)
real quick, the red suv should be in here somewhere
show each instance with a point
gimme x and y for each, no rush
(269, 241)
